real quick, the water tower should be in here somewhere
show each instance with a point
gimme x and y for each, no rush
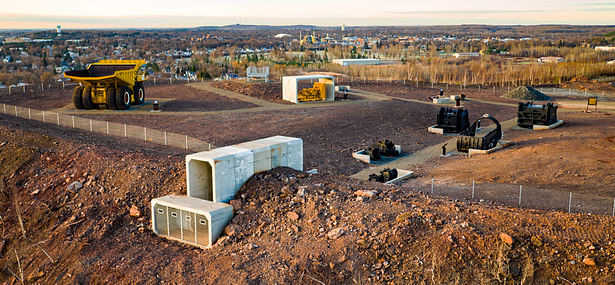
(59, 30)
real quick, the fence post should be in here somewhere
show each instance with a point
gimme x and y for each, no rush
(9, 90)
(154, 81)
(432, 186)
(91, 125)
(58, 115)
(16, 115)
(43, 116)
(614, 207)
(23, 87)
(4, 107)
(473, 189)
(569, 202)
(29, 114)
(186, 142)
(125, 133)
(165, 137)
(520, 192)
(145, 133)
(107, 127)
(209, 146)
(73, 121)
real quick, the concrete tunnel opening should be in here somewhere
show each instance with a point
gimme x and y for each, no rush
(200, 180)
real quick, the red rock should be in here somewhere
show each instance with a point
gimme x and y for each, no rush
(506, 238)
(134, 211)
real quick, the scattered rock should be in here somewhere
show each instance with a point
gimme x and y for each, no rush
(536, 241)
(251, 246)
(335, 233)
(365, 193)
(134, 211)
(236, 203)
(2, 143)
(232, 230)
(35, 276)
(589, 261)
(301, 191)
(2, 246)
(75, 186)
(293, 216)
(222, 241)
(506, 238)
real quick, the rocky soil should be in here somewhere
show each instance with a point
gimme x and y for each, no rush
(75, 210)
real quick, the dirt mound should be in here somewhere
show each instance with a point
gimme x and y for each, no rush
(292, 227)
(267, 91)
(526, 93)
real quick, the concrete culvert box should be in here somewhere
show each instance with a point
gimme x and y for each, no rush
(218, 174)
(190, 220)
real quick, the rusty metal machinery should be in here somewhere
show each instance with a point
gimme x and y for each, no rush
(467, 139)
(453, 120)
(529, 115)
(382, 148)
(385, 175)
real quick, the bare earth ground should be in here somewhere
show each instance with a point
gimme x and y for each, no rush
(397, 236)
(577, 157)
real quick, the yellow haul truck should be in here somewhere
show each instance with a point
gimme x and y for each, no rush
(114, 84)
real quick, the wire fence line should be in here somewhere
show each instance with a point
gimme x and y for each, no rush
(524, 196)
(165, 138)
(68, 85)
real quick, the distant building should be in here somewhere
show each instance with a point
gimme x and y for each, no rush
(605, 48)
(343, 28)
(465, 54)
(611, 62)
(59, 30)
(358, 61)
(550, 59)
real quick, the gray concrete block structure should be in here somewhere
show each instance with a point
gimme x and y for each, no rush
(191, 220)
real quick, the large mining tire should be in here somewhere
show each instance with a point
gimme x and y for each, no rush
(77, 97)
(122, 98)
(110, 98)
(86, 97)
(139, 94)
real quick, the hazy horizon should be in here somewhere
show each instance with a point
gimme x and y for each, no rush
(72, 14)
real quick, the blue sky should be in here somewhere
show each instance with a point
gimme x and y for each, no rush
(71, 14)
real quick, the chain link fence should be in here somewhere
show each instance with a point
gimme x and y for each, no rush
(165, 138)
(523, 196)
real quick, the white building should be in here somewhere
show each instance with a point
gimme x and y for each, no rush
(605, 48)
(550, 59)
(358, 61)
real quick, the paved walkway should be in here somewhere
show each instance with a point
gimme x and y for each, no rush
(420, 156)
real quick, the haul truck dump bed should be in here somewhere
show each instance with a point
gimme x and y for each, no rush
(112, 84)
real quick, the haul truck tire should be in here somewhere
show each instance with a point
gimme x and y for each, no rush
(77, 97)
(110, 98)
(86, 98)
(122, 98)
(139, 94)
